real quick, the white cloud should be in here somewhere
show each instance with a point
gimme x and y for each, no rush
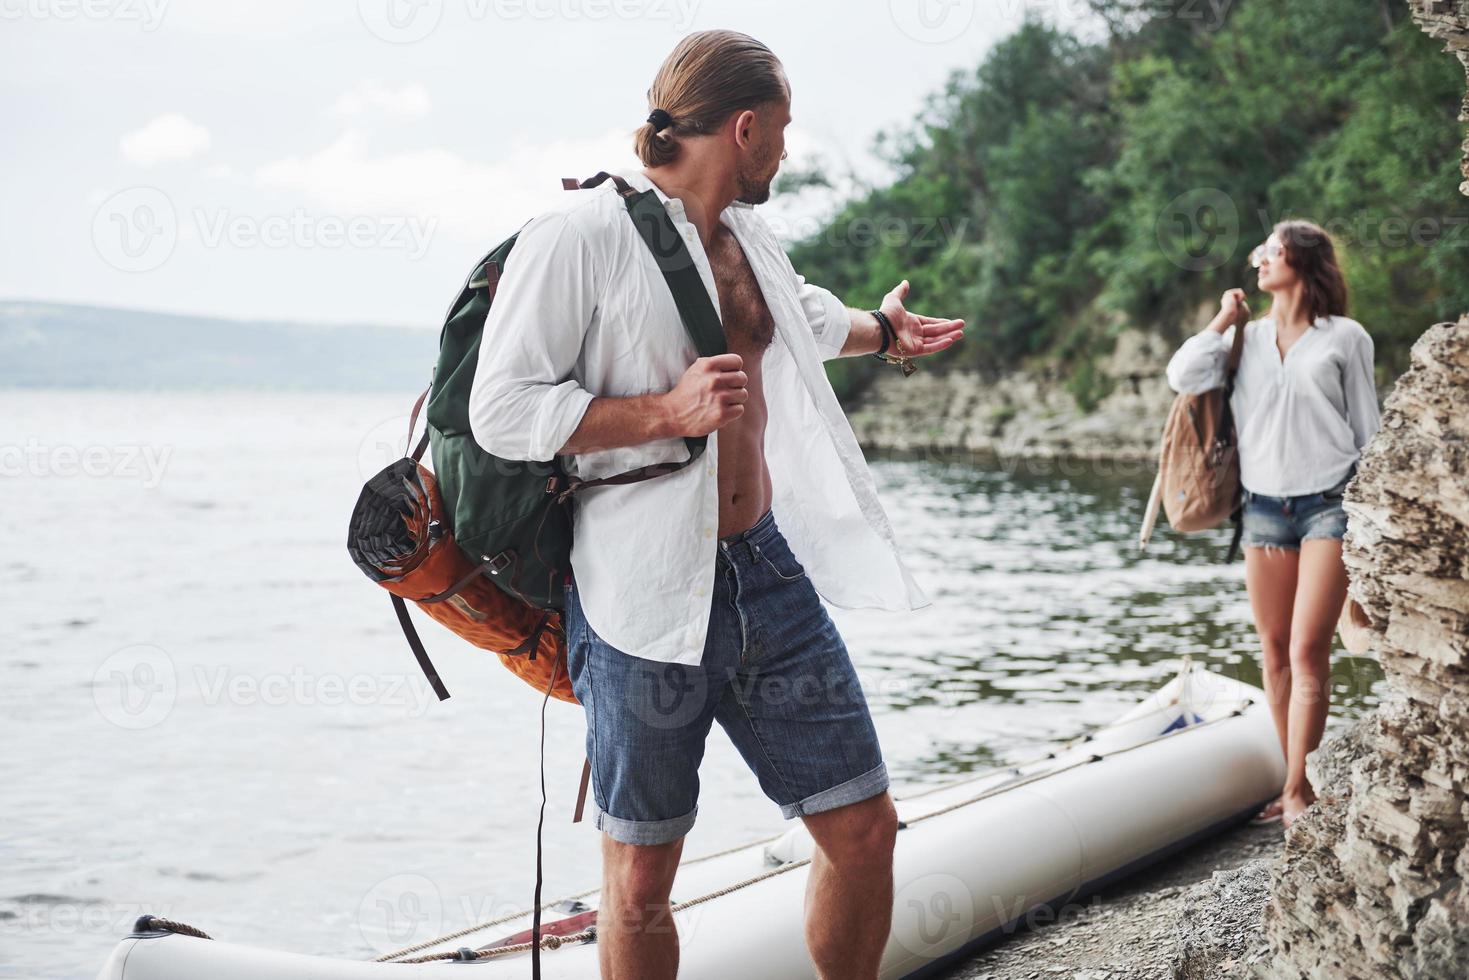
(472, 200)
(466, 198)
(410, 100)
(167, 137)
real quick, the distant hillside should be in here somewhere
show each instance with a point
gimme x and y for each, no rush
(52, 345)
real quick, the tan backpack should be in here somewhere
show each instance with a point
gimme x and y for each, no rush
(1198, 463)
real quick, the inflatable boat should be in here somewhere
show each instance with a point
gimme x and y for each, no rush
(975, 860)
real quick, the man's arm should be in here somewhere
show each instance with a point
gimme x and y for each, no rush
(710, 394)
(832, 324)
(864, 336)
(841, 331)
(611, 422)
(524, 403)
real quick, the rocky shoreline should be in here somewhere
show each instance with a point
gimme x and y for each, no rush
(1199, 915)
(1024, 414)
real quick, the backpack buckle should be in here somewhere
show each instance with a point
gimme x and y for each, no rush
(499, 563)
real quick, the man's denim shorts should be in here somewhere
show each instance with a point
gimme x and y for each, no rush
(776, 676)
(1284, 522)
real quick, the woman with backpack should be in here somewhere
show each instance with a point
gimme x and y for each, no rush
(1304, 405)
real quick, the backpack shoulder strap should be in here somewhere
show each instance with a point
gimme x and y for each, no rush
(651, 219)
(1236, 349)
(699, 317)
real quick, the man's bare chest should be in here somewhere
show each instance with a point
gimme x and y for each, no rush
(748, 324)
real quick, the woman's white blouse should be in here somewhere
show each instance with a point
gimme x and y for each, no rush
(1302, 419)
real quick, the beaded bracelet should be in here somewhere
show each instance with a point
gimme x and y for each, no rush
(889, 334)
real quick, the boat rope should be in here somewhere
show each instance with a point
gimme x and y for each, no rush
(393, 957)
(588, 935)
(151, 923)
(386, 957)
(467, 955)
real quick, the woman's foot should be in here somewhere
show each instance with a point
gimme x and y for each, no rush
(1294, 804)
(1271, 812)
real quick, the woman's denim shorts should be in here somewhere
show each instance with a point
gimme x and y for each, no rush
(1284, 522)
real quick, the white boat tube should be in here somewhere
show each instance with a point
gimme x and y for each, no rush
(974, 860)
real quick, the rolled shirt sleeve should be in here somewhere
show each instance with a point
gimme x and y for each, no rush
(1360, 387)
(827, 316)
(524, 404)
(1198, 366)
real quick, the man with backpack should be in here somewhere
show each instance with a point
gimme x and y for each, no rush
(687, 603)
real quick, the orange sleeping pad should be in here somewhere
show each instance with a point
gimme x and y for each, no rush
(399, 539)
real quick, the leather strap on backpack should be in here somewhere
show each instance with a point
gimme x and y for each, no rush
(1226, 425)
(1236, 349)
(413, 424)
(1231, 368)
(400, 608)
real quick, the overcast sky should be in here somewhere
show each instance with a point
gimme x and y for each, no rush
(347, 160)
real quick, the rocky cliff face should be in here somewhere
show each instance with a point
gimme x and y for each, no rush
(1026, 415)
(1448, 20)
(1372, 883)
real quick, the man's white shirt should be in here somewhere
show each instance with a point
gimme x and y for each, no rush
(583, 310)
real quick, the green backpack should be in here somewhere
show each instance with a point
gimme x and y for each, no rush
(511, 516)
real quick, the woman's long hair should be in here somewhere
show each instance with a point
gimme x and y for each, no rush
(1309, 251)
(708, 76)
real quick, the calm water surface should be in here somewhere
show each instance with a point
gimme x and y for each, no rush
(212, 715)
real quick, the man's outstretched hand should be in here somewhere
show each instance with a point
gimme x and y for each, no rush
(918, 334)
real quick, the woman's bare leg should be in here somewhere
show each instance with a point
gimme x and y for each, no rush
(1319, 595)
(1270, 579)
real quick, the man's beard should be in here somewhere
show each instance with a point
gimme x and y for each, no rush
(755, 188)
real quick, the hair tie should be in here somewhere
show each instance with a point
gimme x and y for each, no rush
(660, 119)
